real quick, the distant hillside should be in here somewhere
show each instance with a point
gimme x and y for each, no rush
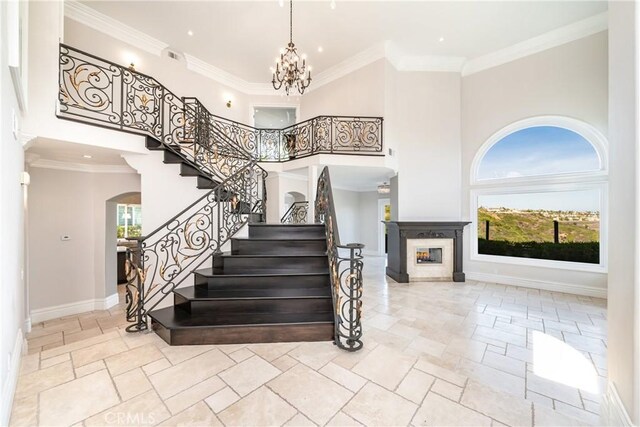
(537, 225)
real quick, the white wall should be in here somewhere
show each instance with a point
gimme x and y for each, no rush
(12, 301)
(426, 126)
(624, 288)
(69, 273)
(348, 215)
(164, 191)
(360, 93)
(569, 80)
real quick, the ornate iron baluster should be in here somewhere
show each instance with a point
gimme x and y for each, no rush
(345, 271)
(296, 214)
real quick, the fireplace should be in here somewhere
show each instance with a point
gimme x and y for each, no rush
(425, 251)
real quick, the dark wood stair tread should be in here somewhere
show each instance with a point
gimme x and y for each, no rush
(176, 318)
(208, 272)
(277, 224)
(201, 293)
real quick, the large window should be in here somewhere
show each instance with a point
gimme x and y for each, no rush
(539, 195)
(129, 220)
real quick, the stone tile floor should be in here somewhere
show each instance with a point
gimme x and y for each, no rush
(440, 354)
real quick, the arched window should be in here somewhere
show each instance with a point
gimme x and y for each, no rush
(538, 193)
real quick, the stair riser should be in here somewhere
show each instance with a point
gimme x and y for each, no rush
(235, 265)
(291, 282)
(275, 247)
(245, 334)
(283, 231)
(252, 306)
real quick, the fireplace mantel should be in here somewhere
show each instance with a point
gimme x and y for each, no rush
(399, 231)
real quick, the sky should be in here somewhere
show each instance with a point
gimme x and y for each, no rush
(537, 151)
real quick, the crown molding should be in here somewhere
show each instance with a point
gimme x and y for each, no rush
(79, 167)
(349, 65)
(105, 24)
(551, 39)
(223, 77)
(399, 60)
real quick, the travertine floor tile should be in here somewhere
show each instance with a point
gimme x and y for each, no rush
(315, 354)
(415, 385)
(343, 420)
(261, 408)
(300, 420)
(497, 405)
(190, 372)
(220, 400)
(247, 376)
(311, 393)
(146, 409)
(373, 405)
(194, 394)
(37, 381)
(343, 376)
(76, 400)
(385, 366)
(96, 352)
(198, 415)
(132, 359)
(439, 411)
(131, 383)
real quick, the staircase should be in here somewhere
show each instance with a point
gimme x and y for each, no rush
(292, 282)
(274, 286)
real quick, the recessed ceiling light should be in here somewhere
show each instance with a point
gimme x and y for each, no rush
(441, 39)
(190, 32)
(87, 156)
(333, 4)
(320, 49)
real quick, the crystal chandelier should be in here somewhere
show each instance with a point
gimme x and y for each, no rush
(288, 72)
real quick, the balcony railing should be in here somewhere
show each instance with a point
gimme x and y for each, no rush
(103, 93)
(319, 135)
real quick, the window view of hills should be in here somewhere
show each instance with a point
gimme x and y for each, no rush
(529, 233)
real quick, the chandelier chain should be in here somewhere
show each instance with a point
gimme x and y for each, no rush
(290, 21)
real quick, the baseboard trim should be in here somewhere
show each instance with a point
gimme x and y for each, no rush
(53, 312)
(110, 301)
(613, 411)
(9, 386)
(568, 288)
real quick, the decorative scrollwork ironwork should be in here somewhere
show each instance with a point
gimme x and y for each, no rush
(296, 214)
(345, 270)
(99, 92)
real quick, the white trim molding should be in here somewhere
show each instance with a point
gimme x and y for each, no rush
(567, 288)
(107, 25)
(590, 133)
(62, 310)
(613, 411)
(11, 380)
(223, 77)
(551, 39)
(80, 167)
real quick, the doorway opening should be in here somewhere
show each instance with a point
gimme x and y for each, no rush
(384, 214)
(123, 221)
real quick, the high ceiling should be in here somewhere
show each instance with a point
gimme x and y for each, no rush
(244, 37)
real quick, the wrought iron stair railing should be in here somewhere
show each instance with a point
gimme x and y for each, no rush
(296, 214)
(318, 135)
(345, 270)
(166, 257)
(102, 93)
